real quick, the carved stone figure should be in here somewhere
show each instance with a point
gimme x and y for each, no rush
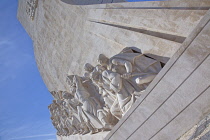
(89, 69)
(120, 88)
(104, 114)
(96, 101)
(132, 65)
(98, 116)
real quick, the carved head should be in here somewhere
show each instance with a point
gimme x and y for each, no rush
(71, 83)
(69, 79)
(88, 67)
(73, 88)
(54, 102)
(53, 93)
(103, 60)
(67, 95)
(96, 77)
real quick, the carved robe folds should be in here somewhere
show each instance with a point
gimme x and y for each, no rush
(107, 91)
(122, 89)
(134, 66)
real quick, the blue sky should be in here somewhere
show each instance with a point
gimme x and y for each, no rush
(23, 96)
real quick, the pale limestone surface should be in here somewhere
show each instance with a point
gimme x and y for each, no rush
(178, 98)
(98, 136)
(98, 100)
(66, 37)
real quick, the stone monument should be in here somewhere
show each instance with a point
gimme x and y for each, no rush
(123, 70)
(99, 100)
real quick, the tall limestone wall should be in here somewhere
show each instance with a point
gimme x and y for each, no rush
(178, 98)
(67, 36)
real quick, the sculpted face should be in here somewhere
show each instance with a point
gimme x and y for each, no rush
(54, 101)
(103, 60)
(65, 96)
(71, 84)
(53, 93)
(88, 67)
(99, 68)
(73, 88)
(69, 79)
(115, 62)
(97, 77)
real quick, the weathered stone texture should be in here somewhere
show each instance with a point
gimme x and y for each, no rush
(179, 96)
(200, 131)
(66, 37)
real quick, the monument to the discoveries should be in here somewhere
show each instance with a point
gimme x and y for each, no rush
(120, 70)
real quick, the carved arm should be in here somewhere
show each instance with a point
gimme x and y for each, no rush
(125, 63)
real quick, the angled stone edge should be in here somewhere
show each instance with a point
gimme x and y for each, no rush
(161, 74)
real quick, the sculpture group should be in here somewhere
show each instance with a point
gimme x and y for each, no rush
(97, 100)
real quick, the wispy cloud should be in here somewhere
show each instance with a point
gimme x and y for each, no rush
(12, 60)
(25, 115)
(33, 136)
(29, 130)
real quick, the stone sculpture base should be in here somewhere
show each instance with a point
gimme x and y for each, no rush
(97, 136)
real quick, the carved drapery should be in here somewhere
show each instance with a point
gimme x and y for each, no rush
(97, 100)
